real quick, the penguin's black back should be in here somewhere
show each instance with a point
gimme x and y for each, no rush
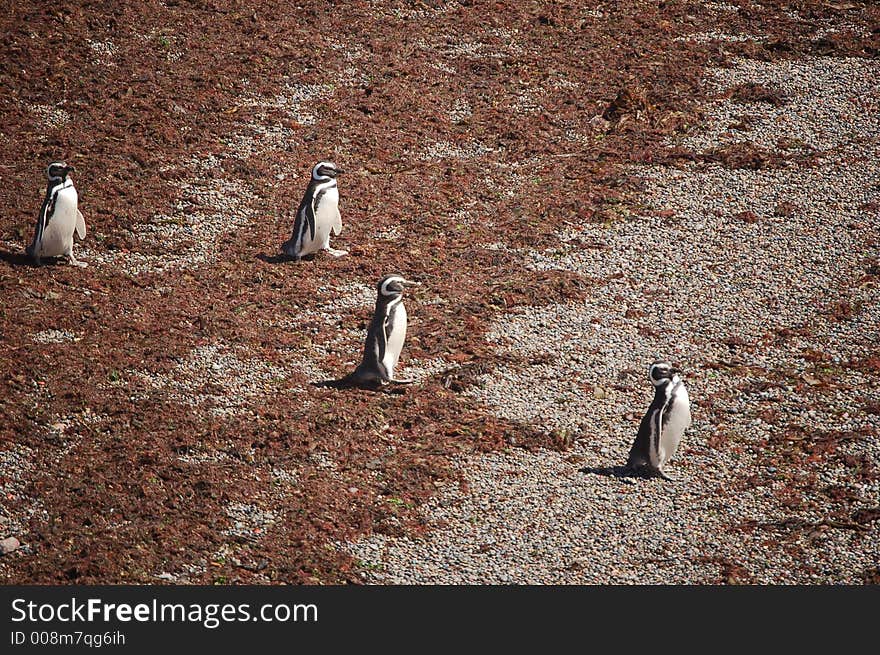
(371, 367)
(46, 210)
(640, 452)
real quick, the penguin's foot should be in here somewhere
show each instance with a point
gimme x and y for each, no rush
(335, 253)
(75, 262)
(401, 381)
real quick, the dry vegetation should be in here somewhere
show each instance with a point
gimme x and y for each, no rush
(461, 124)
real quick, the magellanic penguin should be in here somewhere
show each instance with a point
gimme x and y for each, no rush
(664, 423)
(59, 217)
(385, 335)
(317, 215)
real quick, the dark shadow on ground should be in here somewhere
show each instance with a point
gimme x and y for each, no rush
(18, 258)
(347, 383)
(622, 472)
(281, 258)
(274, 259)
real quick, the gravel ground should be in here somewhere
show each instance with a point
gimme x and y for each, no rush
(740, 277)
(759, 281)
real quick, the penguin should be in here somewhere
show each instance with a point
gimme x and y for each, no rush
(317, 215)
(385, 335)
(59, 217)
(664, 423)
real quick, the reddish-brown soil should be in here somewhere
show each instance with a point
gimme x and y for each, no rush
(120, 506)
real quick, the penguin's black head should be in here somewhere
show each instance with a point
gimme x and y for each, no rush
(661, 372)
(325, 170)
(392, 285)
(58, 170)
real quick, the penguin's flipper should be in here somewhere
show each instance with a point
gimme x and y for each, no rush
(80, 225)
(310, 218)
(337, 223)
(42, 219)
(656, 437)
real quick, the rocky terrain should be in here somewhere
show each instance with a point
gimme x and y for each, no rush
(581, 188)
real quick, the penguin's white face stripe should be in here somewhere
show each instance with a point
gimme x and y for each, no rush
(322, 164)
(385, 291)
(54, 164)
(659, 373)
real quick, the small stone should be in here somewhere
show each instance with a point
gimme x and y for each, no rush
(8, 545)
(599, 123)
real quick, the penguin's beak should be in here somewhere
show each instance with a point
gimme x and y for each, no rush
(339, 171)
(675, 371)
(70, 169)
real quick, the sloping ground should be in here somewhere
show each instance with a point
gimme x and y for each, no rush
(777, 478)
(156, 413)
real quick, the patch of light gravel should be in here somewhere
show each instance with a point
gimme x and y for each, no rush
(294, 98)
(55, 336)
(216, 374)
(713, 293)
(206, 210)
(460, 111)
(449, 150)
(708, 37)
(248, 520)
(208, 207)
(18, 469)
(721, 7)
(103, 51)
(51, 116)
(829, 103)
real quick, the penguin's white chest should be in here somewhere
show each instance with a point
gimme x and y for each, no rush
(395, 328)
(678, 419)
(58, 234)
(325, 217)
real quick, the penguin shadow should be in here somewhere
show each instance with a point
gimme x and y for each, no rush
(623, 473)
(22, 259)
(274, 259)
(281, 258)
(347, 383)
